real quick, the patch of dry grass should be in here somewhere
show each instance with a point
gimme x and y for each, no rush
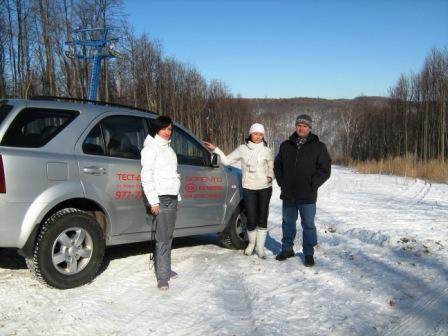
(408, 166)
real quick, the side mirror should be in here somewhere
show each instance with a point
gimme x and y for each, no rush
(216, 160)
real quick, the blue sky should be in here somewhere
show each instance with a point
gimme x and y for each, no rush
(275, 49)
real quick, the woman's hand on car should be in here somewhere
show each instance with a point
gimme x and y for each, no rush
(210, 146)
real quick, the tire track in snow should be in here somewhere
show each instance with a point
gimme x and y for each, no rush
(234, 298)
(429, 315)
(426, 317)
(220, 304)
(183, 317)
(409, 195)
(423, 193)
(403, 203)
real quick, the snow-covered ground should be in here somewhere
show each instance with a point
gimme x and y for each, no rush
(381, 269)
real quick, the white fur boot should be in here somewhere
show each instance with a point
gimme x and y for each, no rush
(261, 239)
(252, 237)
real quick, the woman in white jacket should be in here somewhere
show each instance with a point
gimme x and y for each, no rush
(161, 184)
(257, 165)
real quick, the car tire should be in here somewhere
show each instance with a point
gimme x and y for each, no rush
(235, 234)
(69, 249)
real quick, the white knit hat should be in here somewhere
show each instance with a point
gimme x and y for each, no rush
(256, 128)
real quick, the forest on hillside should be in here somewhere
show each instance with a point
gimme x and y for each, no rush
(33, 61)
(412, 121)
(279, 116)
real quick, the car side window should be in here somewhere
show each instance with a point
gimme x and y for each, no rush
(94, 143)
(188, 150)
(4, 110)
(35, 127)
(117, 136)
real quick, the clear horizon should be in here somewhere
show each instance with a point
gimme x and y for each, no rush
(293, 49)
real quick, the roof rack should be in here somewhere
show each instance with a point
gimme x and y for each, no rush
(96, 102)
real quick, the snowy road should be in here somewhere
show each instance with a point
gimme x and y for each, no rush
(381, 269)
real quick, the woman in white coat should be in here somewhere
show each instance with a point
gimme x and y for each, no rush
(161, 184)
(257, 165)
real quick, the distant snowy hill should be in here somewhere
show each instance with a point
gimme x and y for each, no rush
(279, 115)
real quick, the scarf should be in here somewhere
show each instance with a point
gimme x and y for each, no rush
(300, 142)
(253, 156)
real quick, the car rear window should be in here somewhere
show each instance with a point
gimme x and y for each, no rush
(4, 110)
(35, 127)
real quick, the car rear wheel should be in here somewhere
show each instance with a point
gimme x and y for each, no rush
(69, 249)
(235, 234)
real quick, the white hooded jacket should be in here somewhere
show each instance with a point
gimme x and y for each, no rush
(257, 179)
(159, 174)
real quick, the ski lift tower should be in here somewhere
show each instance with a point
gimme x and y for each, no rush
(92, 44)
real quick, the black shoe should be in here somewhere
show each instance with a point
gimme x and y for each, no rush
(309, 261)
(283, 255)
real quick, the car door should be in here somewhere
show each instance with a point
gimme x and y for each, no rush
(203, 188)
(110, 167)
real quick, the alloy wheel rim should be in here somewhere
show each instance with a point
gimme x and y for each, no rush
(72, 251)
(240, 226)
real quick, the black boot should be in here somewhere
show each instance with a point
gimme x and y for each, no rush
(309, 261)
(283, 255)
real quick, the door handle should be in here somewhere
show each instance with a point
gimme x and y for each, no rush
(93, 170)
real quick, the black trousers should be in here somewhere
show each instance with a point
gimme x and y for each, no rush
(257, 207)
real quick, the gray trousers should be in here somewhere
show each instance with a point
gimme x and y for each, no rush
(166, 220)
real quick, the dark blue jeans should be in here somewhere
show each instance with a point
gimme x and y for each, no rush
(257, 207)
(290, 215)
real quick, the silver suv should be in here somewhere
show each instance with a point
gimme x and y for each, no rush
(70, 186)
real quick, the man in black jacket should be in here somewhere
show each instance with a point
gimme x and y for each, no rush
(301, 167)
